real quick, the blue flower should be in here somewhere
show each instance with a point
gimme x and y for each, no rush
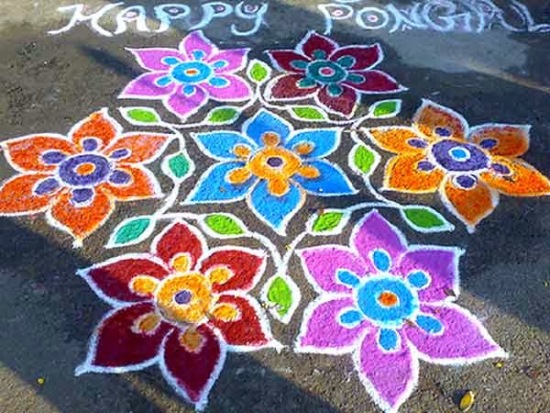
(271, 166)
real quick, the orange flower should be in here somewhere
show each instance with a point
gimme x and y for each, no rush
(469, 166)
(76, 179)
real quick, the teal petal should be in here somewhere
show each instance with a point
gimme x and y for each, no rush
(335, 90)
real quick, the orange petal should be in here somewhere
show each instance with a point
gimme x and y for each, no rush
(143, 147)
(25, 154)
(97, 125)
(271, 139)
(304, 148)
(143, 184)
(278, 187)
(403, 174)
(439, 122)
(522, 179)
(242, 151)
(17, 196)
(503, 140)
(147, 323)
(398, 139)
(238, 176)
(309, 172)
(83, 220)
(469, 205)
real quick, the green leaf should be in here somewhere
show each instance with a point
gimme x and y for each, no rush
(386, 108)
(224, 224)
(425, 219)
(177, 166)
(258, 71)
(327, 221)
(364, 159)
(308, 113)
(223, 115)
(280, 293)
(141, 115)
(131, 231)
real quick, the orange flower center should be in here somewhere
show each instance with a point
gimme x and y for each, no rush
(388, 299)
(85, 168)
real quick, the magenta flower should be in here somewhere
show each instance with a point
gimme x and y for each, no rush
(335, 76)
(390, 305)
(187, 78)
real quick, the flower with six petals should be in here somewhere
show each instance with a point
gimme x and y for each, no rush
(181, 306)
(77, 179)
(390, 304)
(469, 166)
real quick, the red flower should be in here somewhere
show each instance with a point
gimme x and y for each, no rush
(179, 306)
(335, 75)
(78, 178)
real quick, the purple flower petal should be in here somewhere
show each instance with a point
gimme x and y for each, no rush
(441, 266)
(360, 57)
(342, 103)
(184, 105)
(82, 195)
(389, 377)
(146, 86)
(374, 81)
(154, 58)
(47, 186)
(197, 47)
(231, 60)
(462, 340)
(233, 89)
(323, 332)
(376, 234)
(323, 263)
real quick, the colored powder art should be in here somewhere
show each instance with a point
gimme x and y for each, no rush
(269, 135)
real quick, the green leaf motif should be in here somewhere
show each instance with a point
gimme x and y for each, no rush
(280, 293)
(258, 71)
(364, 159)
(223, 115)
(327, 221)
(425, 219)
(386, 108)
(308, 113)
(141, 115)
(224, 224)
(177, 166)
(131, 231)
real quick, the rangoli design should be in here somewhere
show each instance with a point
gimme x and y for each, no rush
(268, 138)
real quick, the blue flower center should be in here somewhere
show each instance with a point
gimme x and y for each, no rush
(458, 156)
(191, 72)
(84, 170)
(326, 72)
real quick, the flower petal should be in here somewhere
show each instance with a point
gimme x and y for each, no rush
(234, 89)
(249, 330)
(141, 184)
(375, 81)
(185, 105)
(196, 45)
(343, 104)
(469, 205)
(263, 122)
(275, 211)
(363, 57)
(405, 173)
(148, 86)
(322, 141)
(154, 58)
(220, 145)
(323, 263)
(375, 233)
(287, 87)
(439, 264)
(214, 186)
(179, 238)
(463, 339)
(522, 179)
(502, 140)
(82, 219)
(98, 125)
(322, 330)
(437, 121)
(117, 347)
(288, 60)
(231, 60)
(245, 265)
(193, 373)
(142, 147)
(331, 181)
(397, 139)
(111, 280)
(314, 42)
(18, 196)
(26, 153)
(389, 377)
